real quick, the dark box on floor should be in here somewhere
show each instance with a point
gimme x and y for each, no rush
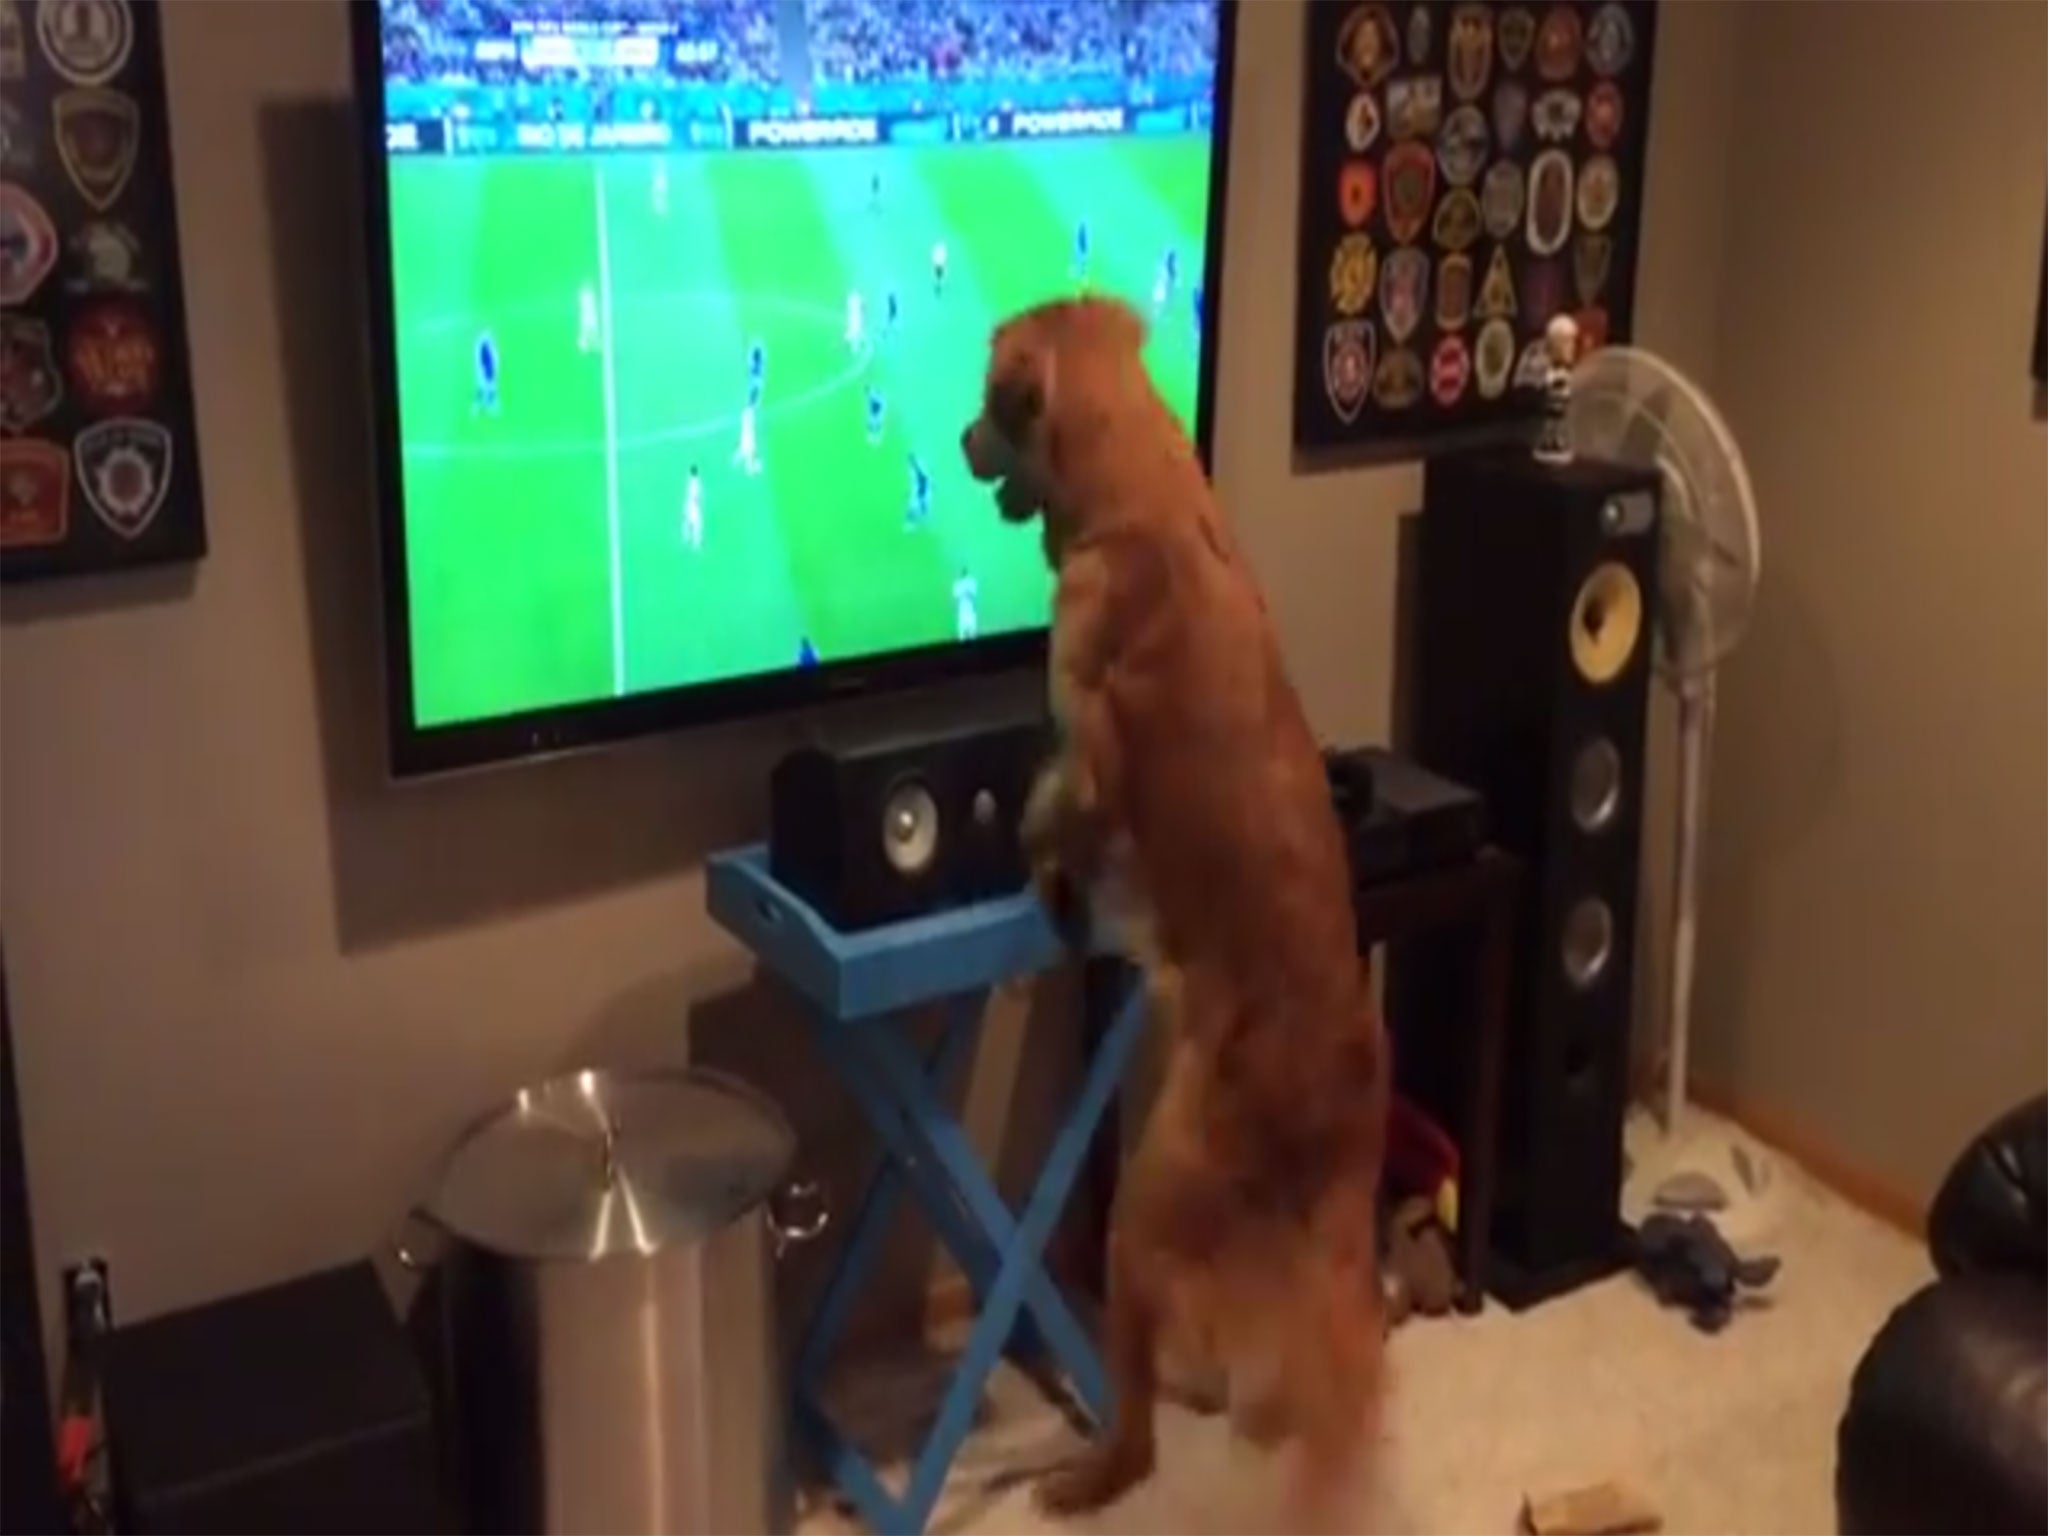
(299, 1408)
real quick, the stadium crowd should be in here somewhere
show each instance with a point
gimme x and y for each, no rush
(894, 46)
(864, 42)
(1171, 39)
(431, 42)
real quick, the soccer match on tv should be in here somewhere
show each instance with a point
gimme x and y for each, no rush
(692, 302)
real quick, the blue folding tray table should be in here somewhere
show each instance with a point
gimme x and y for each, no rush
(856, 984)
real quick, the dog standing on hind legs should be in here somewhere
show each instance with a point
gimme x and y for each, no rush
(1188, 793)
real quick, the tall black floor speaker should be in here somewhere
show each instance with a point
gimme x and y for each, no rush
(1530, 653)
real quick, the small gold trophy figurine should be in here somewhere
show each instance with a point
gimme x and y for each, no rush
(1553, 436)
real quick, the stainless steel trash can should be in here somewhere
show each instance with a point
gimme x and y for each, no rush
(604, 1247)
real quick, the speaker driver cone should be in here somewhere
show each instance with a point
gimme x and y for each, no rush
(1588, 941)
(910, 828)
(1595, 785)
(1607, 621)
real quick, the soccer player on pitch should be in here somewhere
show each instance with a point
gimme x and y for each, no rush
(747, 454)
(874, 415)
(1164, 280)
(757, 372)
(693, 511)
(1080, 268)
(966, 623)
(486, 397)
(856, 322)
(939, 270)
(919, 512)
(892, 313)
(588, 332)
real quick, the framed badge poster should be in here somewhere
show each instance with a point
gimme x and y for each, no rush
(1468, 171)
(99, 462)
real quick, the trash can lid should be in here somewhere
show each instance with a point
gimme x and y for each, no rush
(594, 1164)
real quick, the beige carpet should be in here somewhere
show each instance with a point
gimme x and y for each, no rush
(1729, 1433)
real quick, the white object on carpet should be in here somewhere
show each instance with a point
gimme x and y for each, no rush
(1745, 1172)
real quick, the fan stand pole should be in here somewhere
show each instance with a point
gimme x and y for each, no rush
(1695, 728)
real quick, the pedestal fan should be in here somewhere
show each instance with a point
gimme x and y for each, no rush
(1631, 407)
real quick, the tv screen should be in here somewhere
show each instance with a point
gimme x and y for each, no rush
(680, 309)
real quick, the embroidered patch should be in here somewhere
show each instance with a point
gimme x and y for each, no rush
(124, 468)
(1348, 348)
(1404, 291)
(1599, 192)
(98, 133)
(1453, 292)
(1397, 382)
(1500, 199)
(1367, 49)
(1449, 367)
(1550, 201)
(1493, 358)
(1468, 50)
(35, 494)
(28, 244)
(1558, 42)
(1361, 122)
(87, 41)
(1353, 265)
(31, 385)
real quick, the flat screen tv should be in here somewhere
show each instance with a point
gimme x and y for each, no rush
(679, 309)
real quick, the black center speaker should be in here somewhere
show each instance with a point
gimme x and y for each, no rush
(1534, 589)
(874, 831)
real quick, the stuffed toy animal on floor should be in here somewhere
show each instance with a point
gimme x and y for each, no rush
(1417, 1273)
(1689, 1264)
(1421, 1160)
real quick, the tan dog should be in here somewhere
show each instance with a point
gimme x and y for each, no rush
(1244, 1225)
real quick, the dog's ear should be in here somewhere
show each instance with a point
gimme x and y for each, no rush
(1017, 388)
(1109, 322)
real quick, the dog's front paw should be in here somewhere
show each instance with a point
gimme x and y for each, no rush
(1045, 809)
(1065, 900)
(1099, 1476)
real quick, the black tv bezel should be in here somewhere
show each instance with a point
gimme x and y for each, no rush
(414, 751)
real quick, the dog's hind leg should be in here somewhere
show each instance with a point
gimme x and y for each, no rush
(1123, 1458)
(1335, 1383)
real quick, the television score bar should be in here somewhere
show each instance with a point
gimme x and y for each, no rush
(573, 43)
(452, 134)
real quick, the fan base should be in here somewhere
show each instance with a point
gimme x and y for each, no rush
(1704, 1154)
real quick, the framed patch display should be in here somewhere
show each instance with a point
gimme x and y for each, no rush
(1468, 171)
(99, 464)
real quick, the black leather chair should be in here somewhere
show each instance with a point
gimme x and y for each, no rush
(1947, 1423)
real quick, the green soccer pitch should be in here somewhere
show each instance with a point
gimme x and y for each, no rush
(545, 546)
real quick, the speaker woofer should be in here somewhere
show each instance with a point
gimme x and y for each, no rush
(1595, 791)
(1607, 621)
(910, 828)
(1588, 942)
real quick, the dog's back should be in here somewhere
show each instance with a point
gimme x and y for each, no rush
(1227, 806)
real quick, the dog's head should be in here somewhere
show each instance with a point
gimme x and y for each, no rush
(1051, 369)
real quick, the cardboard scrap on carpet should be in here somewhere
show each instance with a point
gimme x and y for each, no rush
(1600, 1509)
